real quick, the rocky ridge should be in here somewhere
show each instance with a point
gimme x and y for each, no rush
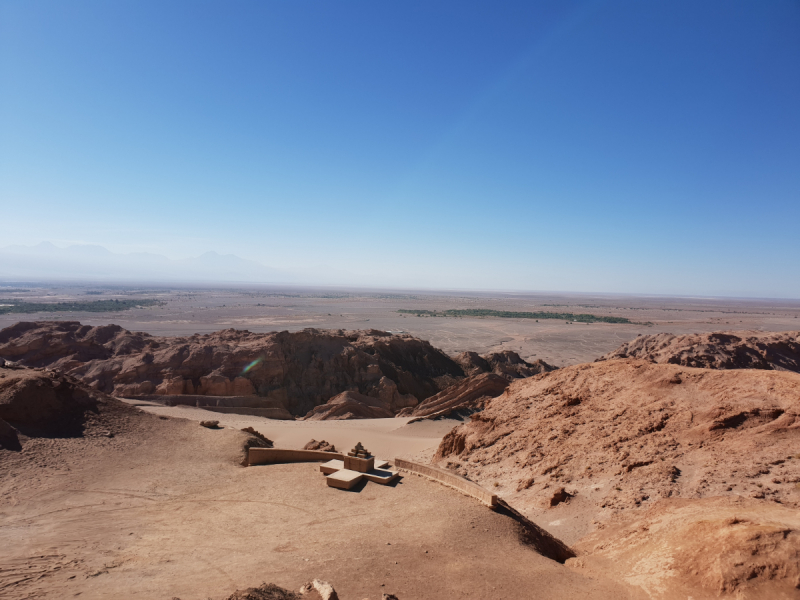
(506, 364)
(277, 375)
(295, 371)
(637, 428)
(351, 405)
(721, 350)
(466, 396)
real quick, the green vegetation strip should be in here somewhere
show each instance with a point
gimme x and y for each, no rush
(505, 314)
(19, 306)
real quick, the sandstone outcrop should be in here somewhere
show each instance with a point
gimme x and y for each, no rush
(351, 405)
(321, 445)
(690, 476)
(298, 371)
(43, 403)
(722, 350)
(636, 429)
(466, 396)
(507, 364)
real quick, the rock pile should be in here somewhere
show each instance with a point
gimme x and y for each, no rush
(322, 446)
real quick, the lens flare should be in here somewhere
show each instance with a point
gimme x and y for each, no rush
(251, 365)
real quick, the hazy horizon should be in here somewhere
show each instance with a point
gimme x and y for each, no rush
(207, 275)
(585, 147)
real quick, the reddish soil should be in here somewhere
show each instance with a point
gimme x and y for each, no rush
(709, 548)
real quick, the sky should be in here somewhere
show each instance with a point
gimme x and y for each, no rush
(627, 147)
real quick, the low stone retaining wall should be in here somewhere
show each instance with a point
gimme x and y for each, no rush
(270, 456)
(449, 479)
(256, 406)
(268, 413)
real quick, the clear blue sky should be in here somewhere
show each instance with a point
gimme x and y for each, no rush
(637, 146)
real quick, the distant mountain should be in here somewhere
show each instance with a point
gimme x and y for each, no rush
(91, 263)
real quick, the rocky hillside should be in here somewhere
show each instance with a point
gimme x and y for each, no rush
(615, 444)
(298, 371)
(705, 549)
(638, 430)
(43, 403)
(725, 350)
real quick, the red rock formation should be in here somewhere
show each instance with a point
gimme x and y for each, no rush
(469, 394)
(635, 428)
(507, 364)
(689, 476)
(725, 350)
(351, 405)
(298, 370)
(43, 403)
(321, 445)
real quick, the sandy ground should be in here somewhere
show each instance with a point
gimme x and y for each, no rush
(263, 309)
(165, 511)
(386, 438)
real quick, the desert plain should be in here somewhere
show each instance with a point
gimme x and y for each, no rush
(261, 309)
(666, 475)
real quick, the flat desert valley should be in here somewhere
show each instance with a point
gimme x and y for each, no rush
(188, 311)
(670, 469)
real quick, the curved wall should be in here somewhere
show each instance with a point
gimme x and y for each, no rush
(449, 479)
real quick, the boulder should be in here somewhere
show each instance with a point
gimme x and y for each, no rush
(321, 445)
